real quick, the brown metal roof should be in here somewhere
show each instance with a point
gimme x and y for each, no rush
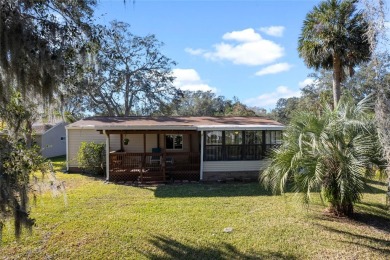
(163, 121)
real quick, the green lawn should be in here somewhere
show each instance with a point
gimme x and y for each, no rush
(94, 220)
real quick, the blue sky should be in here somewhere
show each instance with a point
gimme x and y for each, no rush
(246, 49)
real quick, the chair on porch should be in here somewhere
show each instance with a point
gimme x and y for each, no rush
(155, 158)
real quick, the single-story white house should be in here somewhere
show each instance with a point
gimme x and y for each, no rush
(177, 148)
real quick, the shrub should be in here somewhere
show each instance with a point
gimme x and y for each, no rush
(91, 157)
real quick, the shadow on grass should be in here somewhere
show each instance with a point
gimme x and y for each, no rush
(211, 190)
(374, 208)
(381, 245)
(368, 188)
(376, 182)
(172, 249)
(376, 221)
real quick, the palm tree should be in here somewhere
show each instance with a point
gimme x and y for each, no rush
(334, 154)
(333, 38)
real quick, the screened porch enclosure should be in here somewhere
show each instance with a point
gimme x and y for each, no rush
(153, 156)
(238, 145)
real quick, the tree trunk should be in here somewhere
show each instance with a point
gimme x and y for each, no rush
(127, 94)
(337, 72)
(382, 110)
(28, 133)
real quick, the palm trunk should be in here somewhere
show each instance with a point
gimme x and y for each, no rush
(337, 70)
(338, 207)
(342, 210)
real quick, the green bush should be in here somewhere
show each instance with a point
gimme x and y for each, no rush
(91, 157)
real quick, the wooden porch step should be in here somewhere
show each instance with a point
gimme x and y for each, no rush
(152, 182)
(152, 178)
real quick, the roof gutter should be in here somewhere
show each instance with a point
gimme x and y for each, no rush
(158, 127)
(194, 128)
(240, 127)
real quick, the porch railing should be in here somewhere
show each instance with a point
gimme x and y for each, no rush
(143, 167)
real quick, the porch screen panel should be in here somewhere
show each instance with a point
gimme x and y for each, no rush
(273, 139)
(253, 145)
(213, 147)
(233, 145)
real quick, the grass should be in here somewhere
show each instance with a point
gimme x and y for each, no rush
(94, 220)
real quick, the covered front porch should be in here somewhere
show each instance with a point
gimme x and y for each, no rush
(152, 156)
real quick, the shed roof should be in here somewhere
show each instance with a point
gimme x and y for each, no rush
(174, 123)
(40, 128)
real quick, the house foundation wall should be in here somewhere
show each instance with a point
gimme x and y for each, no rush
(75, 170)
(231, 176)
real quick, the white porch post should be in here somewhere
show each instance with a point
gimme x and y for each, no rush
(201, 154)
(107, 155)
(67, 149)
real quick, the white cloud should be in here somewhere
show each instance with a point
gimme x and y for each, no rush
(185, 75)
(276, 31)
(194, 51)
(247, 35)
(189, 79)
(269, 100)
(245, 47)
(306, 82)
(273, 69)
